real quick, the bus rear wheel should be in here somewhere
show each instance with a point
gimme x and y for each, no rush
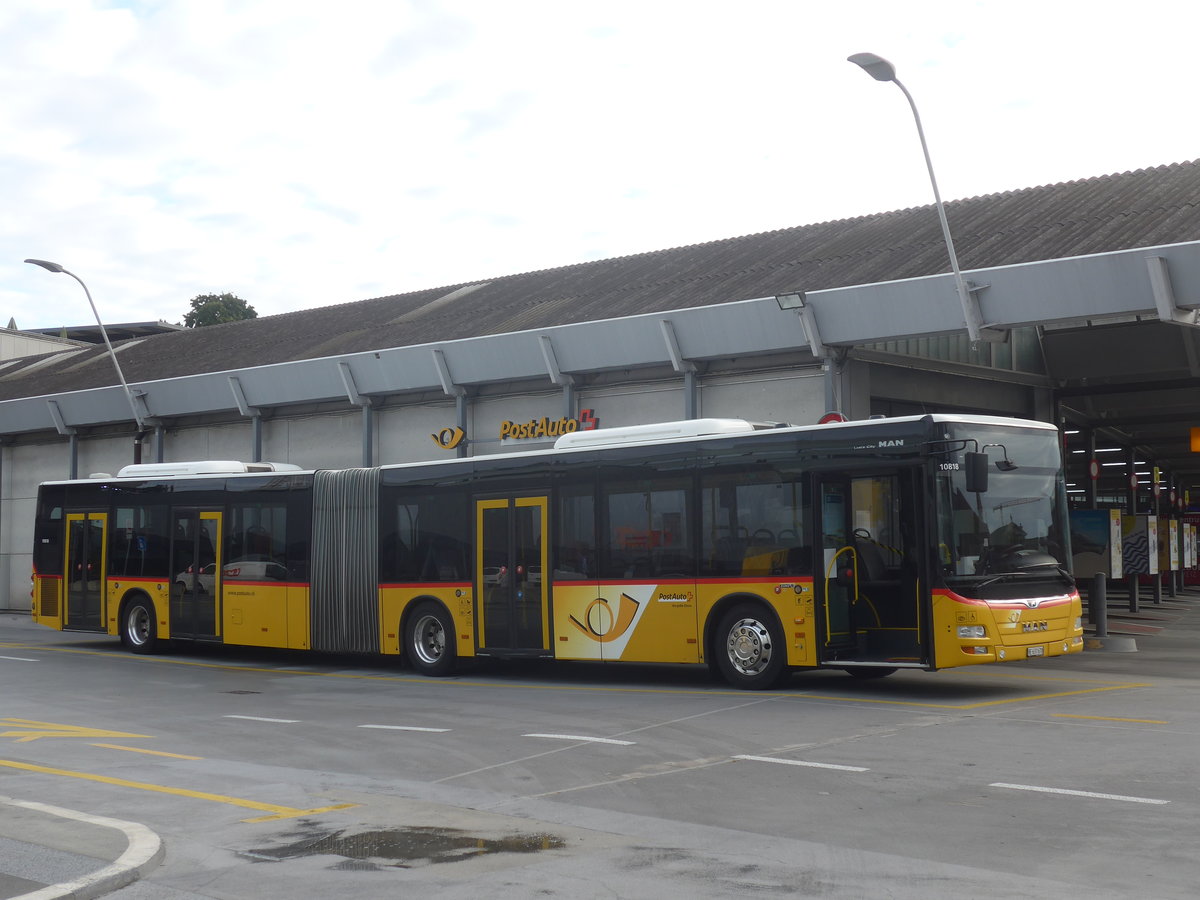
(430, 640)
(139, 630)
(750, 650)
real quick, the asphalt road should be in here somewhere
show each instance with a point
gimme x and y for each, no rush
(278, 774)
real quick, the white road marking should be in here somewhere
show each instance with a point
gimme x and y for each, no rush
(264, 719)
(405, 728)
(800, 762)
(581, 737)
(20, 659)
(1047, 790)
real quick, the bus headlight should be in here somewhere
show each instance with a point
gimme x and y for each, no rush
(1078, 623)
(972, 631)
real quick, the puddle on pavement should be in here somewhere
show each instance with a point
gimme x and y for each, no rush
(401, 847)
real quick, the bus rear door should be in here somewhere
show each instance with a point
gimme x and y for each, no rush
(511, 584)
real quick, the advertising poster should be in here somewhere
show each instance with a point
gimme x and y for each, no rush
(1096, 543)
(1139, 550)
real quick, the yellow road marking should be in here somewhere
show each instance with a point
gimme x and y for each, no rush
(731, 692)
(1114, 719)
(276, 812)
(150, 752)
(32, 730)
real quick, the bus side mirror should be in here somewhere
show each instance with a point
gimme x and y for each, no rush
(977, 472)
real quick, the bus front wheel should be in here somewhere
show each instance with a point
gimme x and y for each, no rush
(139, 630)
(750, 649)
(430, 640)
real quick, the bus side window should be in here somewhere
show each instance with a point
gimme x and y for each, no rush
(648, 531)
(427, 537)
(753, 522)
(575, 533)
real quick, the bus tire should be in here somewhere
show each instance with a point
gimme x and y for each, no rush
(750, 648)
(429, 640)
(139, 627)
(868, 672)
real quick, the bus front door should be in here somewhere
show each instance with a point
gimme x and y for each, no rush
(87, 545)
(835, 595)
(195, 573)
(871, 604)
(511, 589)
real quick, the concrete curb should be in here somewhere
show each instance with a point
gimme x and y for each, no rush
(144, 852)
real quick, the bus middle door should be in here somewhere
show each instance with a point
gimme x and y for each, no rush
(195, 573)
(511, 584)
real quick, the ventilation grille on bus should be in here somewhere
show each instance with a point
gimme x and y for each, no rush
(48, 598)
(345, 553)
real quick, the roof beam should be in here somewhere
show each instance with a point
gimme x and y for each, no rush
(352, 392)
(1164, 294)
(239, 397)
(56, 416)
(678, 363)
(443, 372)
(556, 375)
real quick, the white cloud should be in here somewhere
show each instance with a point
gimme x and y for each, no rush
(301, 154)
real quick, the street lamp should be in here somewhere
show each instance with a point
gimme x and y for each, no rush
(55, 267)
(882, 70)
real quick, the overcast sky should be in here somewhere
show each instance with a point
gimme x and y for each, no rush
(302, 154)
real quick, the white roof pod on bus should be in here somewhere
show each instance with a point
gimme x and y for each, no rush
(659, 431)
(202, 467)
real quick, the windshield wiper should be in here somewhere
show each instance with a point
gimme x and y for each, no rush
(1002, 576)
(1028, 573)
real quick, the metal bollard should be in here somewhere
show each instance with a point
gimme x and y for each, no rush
(1098, 605)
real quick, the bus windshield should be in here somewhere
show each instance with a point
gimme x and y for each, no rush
(1014, 530)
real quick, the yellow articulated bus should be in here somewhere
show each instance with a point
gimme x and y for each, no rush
(922, 542)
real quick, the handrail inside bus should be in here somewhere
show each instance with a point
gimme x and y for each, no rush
(833, 565)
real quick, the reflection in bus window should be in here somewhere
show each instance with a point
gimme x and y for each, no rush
(425, 539)
(256, 543)
(647, 531)
(575, 537)
(754, 522)
(139, 546)
(879, 538)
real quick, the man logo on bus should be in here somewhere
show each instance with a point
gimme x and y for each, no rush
(601, 625)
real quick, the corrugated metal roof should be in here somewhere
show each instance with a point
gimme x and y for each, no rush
(1095, 215)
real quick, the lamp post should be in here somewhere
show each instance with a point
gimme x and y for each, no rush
(882, 70)
(55, 267)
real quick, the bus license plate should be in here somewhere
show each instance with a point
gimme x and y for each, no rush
(1035, 651)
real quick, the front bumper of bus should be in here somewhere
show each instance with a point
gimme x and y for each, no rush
(1004, 631)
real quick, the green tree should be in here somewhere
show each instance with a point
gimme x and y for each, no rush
(213, 309)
